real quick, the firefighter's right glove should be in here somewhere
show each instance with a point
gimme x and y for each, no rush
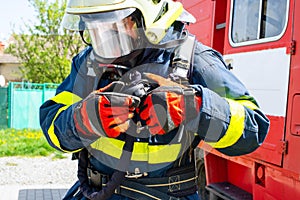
(105, 112)
(166, 107)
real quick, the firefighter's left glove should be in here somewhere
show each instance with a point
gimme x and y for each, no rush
(105, 112)
(166, 107)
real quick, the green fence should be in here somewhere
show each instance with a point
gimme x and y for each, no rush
(24, 101)
(3, 107)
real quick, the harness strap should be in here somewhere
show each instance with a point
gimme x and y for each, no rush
(182, 62)
(86, 178)
(190, 106)
(179, 183)
(139, 191)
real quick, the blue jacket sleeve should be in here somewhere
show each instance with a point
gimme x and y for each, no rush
(56, 114)
(230, 119)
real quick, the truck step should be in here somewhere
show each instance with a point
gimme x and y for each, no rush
(227, 191)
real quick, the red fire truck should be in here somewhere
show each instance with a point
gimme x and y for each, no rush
(258, 39)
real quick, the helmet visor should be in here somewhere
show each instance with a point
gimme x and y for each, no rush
(113, 34)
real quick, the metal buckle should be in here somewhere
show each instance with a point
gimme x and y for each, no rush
(135, 174)
(94, 178)
(174, 184)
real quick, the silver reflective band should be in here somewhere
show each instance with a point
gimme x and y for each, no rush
(111, 16)
(72, 22)
(91, 3)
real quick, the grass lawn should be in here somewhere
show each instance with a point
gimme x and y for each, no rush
(25, 142)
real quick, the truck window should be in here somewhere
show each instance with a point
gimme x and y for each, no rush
(253, 20)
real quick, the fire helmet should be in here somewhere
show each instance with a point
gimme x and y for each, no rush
(112, 23)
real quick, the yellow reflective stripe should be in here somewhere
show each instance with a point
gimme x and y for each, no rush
(110, 146)
(66, 98)
(142, 151)
(235, 128)
(51, 133)
(163, 153)
(248, 104)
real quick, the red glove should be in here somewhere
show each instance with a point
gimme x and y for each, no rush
(105, 112)
(166, 107)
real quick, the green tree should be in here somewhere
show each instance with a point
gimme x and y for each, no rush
(44, 49)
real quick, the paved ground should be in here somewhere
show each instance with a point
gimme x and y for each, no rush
(39, 178)
(53, 194)
(33, 192)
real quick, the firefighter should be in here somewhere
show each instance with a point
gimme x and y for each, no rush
(140, 98)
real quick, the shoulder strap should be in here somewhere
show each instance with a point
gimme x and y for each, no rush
(182, 61)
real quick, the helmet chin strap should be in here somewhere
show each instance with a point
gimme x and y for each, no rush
(82, 38)
(82, 28)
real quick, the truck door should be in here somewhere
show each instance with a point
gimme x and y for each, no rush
(291, 161)
(257, 46)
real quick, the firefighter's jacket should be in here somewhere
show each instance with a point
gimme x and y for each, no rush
(229, 118)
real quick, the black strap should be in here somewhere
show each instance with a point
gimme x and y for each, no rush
(119, 175)
(178, 182)
(139, 191)
(183, 60)
(174, 186)
(115, 180)
(190, 104)
(83, 39)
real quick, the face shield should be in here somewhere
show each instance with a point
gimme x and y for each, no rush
(113, 34)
